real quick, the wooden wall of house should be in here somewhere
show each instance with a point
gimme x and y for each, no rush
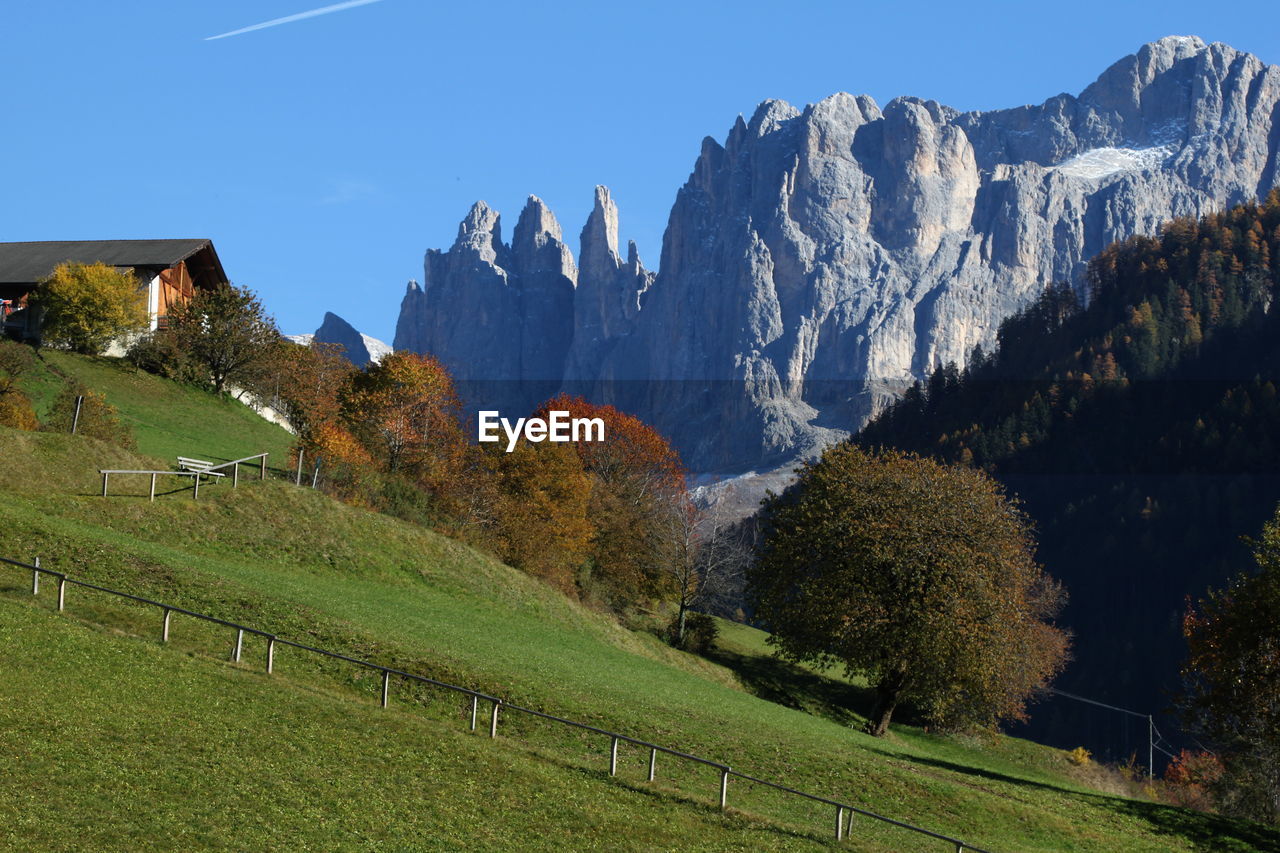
(176, 288)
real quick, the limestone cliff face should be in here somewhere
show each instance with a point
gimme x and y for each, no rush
(610, 293)
(500, 318)
(819, 260)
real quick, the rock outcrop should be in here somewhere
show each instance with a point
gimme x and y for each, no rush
(360, 349)
(610, 292)
(820, 260)
(500, 318)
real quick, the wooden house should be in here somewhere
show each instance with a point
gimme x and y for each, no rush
(169, 270)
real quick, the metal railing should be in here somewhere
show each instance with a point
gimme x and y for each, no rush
(496, 704)
(235, 464)
(195, 473)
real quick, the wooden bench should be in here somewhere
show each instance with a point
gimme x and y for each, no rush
(186, 463)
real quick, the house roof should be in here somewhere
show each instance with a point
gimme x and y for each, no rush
(27, 263)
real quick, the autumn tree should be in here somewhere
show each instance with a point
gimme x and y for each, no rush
(226, 331)
(84, 307)
(304, 383)
(404, 411)
(638, 481)
(543, 496)
(917, 575)
(1232, 676)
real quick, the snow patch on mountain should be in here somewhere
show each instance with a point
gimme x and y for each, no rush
(1104, 162)
(378, 350)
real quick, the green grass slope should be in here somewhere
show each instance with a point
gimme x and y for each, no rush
(291, 561)
(167, 419)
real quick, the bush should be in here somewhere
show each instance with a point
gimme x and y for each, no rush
(700, 633)
(15, 409)
(98, 418)
(159, 353)
(1079, 756)
(16, 412)
(84, 307)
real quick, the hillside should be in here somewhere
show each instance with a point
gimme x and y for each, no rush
(202, 753)
(1141, 434)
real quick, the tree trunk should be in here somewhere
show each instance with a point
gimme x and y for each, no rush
(680, 624)
(887, 693)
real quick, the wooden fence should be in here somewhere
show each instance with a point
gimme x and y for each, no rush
(495, 704)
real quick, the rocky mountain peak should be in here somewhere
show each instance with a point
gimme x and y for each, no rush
(536, 224)
(770, 115)
(359, 349)
(537, 244)
(599, 241)
(480, 232)
(819, 261)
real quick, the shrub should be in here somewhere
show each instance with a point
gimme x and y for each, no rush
(700, 633)
(98, 418)
(160, 353)
(1079, 756)
(15, 409)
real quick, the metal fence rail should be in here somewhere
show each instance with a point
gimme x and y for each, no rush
(195, 473)
(476, 697)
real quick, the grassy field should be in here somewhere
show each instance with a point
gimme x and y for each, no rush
(167, 419)
(160, 741)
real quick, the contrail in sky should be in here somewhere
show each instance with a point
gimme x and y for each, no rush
(289, 19)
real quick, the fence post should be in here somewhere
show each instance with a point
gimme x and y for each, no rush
(724, 787)
(235, 475)
(35, 578)
(1151, 747)
(153, 486)
(164, 631)
(653, 761)
(315, 475)
(104, 483)
(75, 420)
(235, 655)
(62, 591)
(475, 706)
(493, 720)
(386, 686)
(613, 756)
(298, 479)
(263, 474)
(271, 654)
(839, 823)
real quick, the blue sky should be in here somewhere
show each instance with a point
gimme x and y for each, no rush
(324, 156)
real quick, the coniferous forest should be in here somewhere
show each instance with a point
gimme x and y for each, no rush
(1139, 426)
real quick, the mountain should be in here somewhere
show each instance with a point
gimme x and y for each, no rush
(512, 323)
(360, 349)
(1140, 434)
(819, 260)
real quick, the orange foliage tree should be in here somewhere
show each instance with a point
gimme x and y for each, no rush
(638, 484)
(542, 497)
(304, 384)
(404, 411)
